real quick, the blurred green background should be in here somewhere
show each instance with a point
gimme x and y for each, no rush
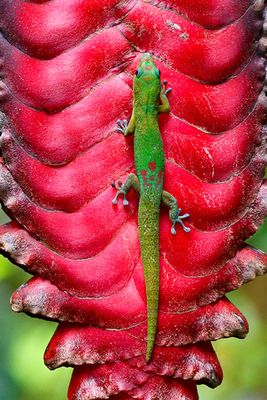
(23, 375)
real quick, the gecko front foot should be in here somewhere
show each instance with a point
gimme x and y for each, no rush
(178, 218)
(164, 89)
(122, 126)
(120, 190)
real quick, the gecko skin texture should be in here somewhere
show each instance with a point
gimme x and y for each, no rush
(149, 162)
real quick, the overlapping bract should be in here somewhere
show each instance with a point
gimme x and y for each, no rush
(67, 74)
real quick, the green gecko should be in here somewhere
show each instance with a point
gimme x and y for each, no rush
(149, 99)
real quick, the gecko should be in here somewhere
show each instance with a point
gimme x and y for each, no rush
(149, 99)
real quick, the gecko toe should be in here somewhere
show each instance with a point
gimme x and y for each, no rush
(177, 218)
(122, 125)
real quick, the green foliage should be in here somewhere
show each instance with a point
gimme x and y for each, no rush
(243, 362)
(23, 375)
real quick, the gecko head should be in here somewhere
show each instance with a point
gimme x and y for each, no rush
(147, 69)
(147, 75)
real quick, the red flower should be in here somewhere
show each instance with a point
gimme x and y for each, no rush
(67, 71)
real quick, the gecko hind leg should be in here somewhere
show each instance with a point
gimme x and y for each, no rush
(174, 212)
(123, 189)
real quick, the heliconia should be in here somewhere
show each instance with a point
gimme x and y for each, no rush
(67, 68)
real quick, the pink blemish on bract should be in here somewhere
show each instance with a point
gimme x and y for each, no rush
(152, 166)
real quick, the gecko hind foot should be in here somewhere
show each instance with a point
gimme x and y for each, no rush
(119, 191)
(122, 125)
(174, 211)
(179, 219)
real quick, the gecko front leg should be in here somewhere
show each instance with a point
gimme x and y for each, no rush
(124, 127)
(123, 189)
(174, 212)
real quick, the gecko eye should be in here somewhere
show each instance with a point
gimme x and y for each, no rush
(138, 72)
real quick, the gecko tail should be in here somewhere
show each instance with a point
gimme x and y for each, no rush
(148, 221)
(152, 315)
(152, 295)
(151, 336)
